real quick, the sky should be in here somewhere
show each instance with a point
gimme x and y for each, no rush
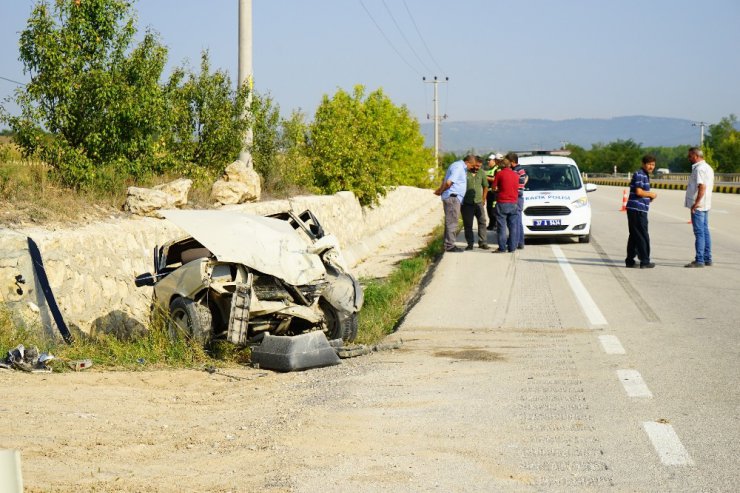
(504, 59)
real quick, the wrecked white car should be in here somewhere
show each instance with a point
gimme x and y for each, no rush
(239, 276)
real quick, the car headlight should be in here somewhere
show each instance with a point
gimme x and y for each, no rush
(581, 202)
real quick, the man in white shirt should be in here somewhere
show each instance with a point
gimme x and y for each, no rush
(699, 200)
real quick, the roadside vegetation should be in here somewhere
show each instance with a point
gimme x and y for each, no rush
(98, 117)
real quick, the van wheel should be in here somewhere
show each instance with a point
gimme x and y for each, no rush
(190, 318)
(584, 239)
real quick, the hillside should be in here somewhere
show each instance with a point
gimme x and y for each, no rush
(550, 134)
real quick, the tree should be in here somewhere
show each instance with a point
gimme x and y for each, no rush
(366, 145)
(93, 100)
(723, 140)
(206, 117)
(624, 154)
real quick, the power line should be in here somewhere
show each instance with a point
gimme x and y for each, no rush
(387, 39)
(400, 31)
(13, 81)
(413, 21)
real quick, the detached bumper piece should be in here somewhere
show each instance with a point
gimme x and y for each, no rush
(292, 353)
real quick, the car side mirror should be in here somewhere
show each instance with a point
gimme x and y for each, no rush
(591, 187)
(144, 280)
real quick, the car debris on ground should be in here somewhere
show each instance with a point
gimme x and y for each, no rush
(28, 360)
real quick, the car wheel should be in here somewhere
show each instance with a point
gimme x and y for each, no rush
(584, 239)
(338, 326)
(190, 318)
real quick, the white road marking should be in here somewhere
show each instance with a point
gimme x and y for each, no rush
(633, 383)
(611, 345)
(666, 443)
(587, 303)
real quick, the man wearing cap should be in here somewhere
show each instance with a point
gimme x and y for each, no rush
(472, 205)
(452, 191)
(494, 165)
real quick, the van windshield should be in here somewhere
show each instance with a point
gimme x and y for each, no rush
(544, 177)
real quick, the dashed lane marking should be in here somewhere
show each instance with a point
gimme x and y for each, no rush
(633, 383)
(594, 315)
(611, 345)
(670, 449)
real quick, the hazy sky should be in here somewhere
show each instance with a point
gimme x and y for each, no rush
(550, 59)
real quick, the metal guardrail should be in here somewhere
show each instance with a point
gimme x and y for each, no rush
(623, 180)
(719, 178)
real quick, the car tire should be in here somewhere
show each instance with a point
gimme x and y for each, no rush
(191, 318)
(584, 239)
(338, 326)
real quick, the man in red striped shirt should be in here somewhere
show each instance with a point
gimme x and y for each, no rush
(506, 184)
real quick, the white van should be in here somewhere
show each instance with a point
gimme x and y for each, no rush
(555, 201)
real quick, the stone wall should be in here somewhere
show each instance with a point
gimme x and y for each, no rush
(91, 269)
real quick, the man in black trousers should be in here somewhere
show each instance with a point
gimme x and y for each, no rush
(638, 204)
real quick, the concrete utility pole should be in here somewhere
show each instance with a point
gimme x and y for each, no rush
(245, 70)
(437, 117)
(701, 125)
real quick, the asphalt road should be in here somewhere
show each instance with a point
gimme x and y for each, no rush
(556, 369)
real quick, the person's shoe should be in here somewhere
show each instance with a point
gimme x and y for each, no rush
(649, 265)
(520, 247)
(454, 250)
(498, 250)
(707, 264)
(694, 264)
(630, 265)
(484, 247)
(469, 247)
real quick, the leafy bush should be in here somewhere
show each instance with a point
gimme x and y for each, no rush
(366, 145)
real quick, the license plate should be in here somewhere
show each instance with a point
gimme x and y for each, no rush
(546, 222)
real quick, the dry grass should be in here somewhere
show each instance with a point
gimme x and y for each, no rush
(29, 196)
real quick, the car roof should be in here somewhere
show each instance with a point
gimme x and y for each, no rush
(546, 159)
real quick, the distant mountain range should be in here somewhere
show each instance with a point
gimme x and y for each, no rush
(503, 135)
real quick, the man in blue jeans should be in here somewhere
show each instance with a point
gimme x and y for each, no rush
(699, 200)
(506, 183)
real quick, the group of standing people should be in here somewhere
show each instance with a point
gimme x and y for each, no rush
(698, 199)
(494, 198)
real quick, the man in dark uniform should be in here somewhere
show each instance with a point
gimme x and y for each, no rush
(472, 205)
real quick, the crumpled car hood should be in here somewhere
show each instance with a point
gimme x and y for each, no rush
(266, 244)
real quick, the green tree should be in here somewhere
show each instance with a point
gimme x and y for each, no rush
(624, 154)
(279, 150)
(94, 99)
(723, 140)
(207, 118)
(580, 156)
(366, 145)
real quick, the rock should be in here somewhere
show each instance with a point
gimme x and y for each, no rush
(178, 189)
(240, 183)
(144, 201)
